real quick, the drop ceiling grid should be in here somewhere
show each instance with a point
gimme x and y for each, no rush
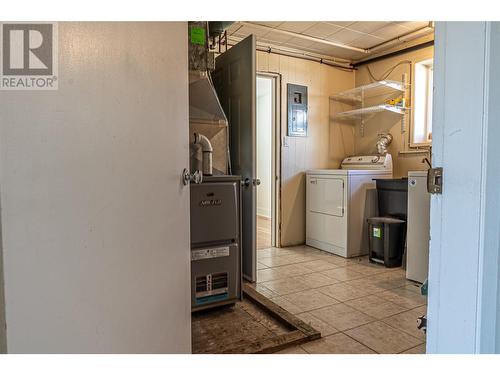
(361, 34)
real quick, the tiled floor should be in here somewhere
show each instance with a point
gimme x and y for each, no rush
(357, 306)
(263, 232)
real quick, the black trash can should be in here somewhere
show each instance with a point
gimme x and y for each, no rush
(392, 197)
(387, 232)
(386, 240)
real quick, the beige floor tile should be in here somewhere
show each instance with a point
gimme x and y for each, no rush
(420, 349)
(407, 321)
(375, 306)
(343, 274)
(273, 252)
(302, 258)
(383, 338)
(319, 265)
(404, 297)
(310, 300)
(366, 269)
(261, 266)
(390, 280)
(285, 304)
(266, 253)
(366, 284)
(341, 316)
(266, 292)
(413, 287)
(336, 344)
(316, 280)
(276, 261)
(317, 324)
(285, 286)
(339, 261)
(344, 292)
(269, 274)
(292, 350)
(293, 269)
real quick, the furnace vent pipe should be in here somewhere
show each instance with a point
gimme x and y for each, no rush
(207, 151)
(384, 140)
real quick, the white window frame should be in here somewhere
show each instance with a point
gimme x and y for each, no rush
(428, 103)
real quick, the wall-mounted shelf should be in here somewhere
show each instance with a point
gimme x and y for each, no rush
(360, 93)
(361, 113)
(356, 97)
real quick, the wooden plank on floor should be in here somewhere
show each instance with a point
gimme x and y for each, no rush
(271, 345)
(280, 313)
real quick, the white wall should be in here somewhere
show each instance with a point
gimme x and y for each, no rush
(264, 145)
(94, 218)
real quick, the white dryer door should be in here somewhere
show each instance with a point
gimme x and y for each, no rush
(326, 195)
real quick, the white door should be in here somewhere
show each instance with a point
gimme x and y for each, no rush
(463, 311)
(95, 219)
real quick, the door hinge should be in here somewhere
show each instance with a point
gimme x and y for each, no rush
(435, 180)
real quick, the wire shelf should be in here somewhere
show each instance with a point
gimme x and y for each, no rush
(360, 93)
(362, 113)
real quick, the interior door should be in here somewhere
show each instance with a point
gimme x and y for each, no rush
(463, 312)
(94, 213)
(235, 80)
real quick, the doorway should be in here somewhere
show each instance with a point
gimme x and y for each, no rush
(267, 158)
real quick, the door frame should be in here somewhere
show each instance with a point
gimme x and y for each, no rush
(276, 162)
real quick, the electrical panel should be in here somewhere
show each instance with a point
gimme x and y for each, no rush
(297, 110)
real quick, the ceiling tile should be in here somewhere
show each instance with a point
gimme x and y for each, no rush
(247, 30)
(367, 26)
(391, 31)
(333, 51)
(296, 27)
(340, 23)
(298, 43)
(413, 25)
(367, 41)
(346, 36)
(274, 38)
(268, 23)
(321, 30)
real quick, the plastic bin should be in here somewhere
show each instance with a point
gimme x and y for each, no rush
(386, 240)
(392, 197)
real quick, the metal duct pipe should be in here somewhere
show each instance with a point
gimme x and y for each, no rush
(384, 140)
(207, 151)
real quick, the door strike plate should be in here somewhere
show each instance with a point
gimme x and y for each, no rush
(435, 180)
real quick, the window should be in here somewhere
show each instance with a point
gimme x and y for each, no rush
(422, 103)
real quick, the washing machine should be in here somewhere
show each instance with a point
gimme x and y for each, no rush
(338, 202)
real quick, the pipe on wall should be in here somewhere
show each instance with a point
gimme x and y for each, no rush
(207, 151)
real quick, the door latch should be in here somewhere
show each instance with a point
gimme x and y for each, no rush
(435, 180)
(247, 182)
(196, 177)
